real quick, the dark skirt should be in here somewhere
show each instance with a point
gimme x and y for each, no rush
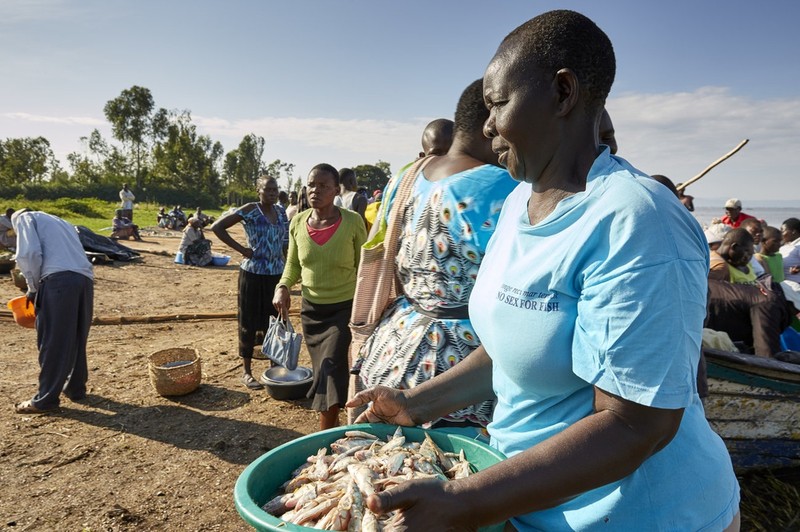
(327, 336)
(255, 308)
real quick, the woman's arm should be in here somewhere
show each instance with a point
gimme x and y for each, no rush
(601, 448)
(220, 229)
(291, 273)
(467, 383)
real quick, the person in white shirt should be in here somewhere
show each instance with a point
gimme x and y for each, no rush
(348, 197)
(790, 231)
(127, 198)
(60, 286)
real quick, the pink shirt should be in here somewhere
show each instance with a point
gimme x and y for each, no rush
(320, 236)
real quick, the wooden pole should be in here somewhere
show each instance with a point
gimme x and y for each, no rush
(683, 186)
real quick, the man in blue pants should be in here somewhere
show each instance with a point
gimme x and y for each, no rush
(60, 285)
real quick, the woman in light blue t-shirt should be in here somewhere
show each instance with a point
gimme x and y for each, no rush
(589, 304)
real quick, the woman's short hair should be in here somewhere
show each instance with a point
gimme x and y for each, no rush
(263, 180)
(566, 39)
(325, 167)
(471, 111)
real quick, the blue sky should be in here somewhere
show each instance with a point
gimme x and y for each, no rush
(354, 82)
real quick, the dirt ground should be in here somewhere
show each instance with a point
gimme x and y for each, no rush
(127, 458)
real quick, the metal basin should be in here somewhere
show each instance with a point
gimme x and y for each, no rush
(285, 385)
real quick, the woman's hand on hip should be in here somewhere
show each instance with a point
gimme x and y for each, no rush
(247, 253)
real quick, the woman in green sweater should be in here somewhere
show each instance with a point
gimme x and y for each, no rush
(324, 249)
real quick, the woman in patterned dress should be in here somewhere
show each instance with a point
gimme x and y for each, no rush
(265, 226)
(447, 223)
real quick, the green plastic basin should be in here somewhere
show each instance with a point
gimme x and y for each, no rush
(260, 481)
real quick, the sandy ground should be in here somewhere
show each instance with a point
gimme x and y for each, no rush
(127, 458)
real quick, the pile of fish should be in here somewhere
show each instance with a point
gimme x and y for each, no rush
(330, 490)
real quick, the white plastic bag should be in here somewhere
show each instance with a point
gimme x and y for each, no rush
(281, 343)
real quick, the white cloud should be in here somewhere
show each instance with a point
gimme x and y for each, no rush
(680, 134)
(66, 120)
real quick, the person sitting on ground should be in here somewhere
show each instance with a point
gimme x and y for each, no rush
(8, 238)
(769, 256)
(203, 217)
(437, 137)
(755, 313)
(196, 248)
(790, 231)
(348, 197)
(123, 228)
(162, 218)
(178, 218)
(733, 213)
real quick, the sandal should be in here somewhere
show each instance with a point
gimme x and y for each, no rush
(251, 383)
(26, 407)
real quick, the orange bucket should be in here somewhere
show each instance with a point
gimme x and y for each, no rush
(23, 316)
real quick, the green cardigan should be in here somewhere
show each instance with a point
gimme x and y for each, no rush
(327, 272)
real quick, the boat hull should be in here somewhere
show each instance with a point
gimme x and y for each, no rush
(754, 405)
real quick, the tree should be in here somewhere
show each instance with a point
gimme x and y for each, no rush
(99, 162)
(372, 176)
(243, 165)
(133, 123)
(185, 159)
(279, 169)
(27, 160)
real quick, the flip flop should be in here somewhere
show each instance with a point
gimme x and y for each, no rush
(26, 407)
(251, 383)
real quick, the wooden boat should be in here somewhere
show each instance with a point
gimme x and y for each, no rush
(754, 405)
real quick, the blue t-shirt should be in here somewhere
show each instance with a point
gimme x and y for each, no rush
(608, 290)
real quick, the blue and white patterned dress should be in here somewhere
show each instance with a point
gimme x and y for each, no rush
(447, 225)
(265, 239)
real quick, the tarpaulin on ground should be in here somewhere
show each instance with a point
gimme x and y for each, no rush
(93, 242)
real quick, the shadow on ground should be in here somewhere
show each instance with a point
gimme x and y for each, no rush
(237, 442)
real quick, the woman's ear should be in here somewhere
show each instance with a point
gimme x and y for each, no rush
(568, 88)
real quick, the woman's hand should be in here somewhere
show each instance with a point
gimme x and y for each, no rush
(281, 301)
(424, 505)
(794, 269)
(386, 405)
(247, 253)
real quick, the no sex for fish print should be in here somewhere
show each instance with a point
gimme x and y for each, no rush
(528, 299)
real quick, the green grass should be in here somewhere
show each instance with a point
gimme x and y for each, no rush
(92, 213)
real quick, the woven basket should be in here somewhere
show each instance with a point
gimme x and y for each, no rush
(178, 380)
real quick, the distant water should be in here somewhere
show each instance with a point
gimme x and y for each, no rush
(773, 212)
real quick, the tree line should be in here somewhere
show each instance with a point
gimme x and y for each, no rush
(159, 153)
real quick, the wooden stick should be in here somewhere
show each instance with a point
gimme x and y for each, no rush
(683, 186)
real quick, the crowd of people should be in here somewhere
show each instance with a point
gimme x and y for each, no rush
(548, 298)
